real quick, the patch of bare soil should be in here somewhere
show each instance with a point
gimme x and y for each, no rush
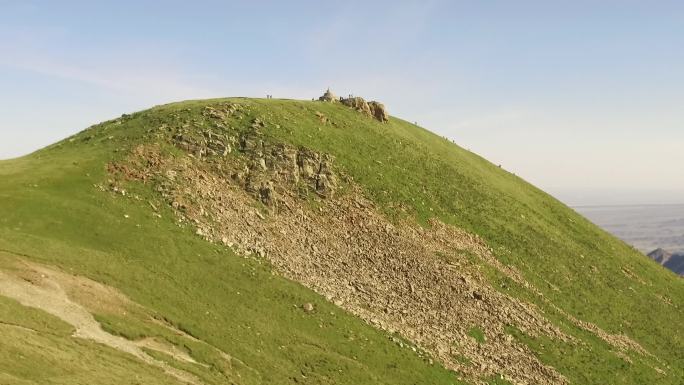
(167, 348)
(42, 288)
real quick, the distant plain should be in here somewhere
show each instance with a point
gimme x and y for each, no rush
(646, 227)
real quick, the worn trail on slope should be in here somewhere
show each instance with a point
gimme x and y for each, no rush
(42, 290)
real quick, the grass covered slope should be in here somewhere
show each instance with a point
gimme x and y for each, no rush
(241, 323)
(213, 304)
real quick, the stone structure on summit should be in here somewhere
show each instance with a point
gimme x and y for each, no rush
(328, 96)
(373, 109)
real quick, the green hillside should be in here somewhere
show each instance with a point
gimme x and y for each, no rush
(95, 216)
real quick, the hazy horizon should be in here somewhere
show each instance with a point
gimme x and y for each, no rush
(589, 110)
(646, 227)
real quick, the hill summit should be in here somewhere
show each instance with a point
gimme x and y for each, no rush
(271, 241)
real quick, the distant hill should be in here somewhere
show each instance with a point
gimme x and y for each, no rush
(673, 261)
(268, 241)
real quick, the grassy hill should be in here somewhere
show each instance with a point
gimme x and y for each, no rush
(87, 223)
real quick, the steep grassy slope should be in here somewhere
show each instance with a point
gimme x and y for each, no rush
(53, 211)
(50, 212)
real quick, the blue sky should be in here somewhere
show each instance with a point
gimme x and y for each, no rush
(583, 98)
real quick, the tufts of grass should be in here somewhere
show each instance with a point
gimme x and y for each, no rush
(498, 380)
(477, 334)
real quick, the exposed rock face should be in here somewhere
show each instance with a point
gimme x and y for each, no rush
(378, 111)
(270, 167)
(262, 169)
(373, 109)
(672, 261)
(357, 103)
(210, 144)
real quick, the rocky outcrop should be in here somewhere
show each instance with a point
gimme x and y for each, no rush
(270, 168)
(378, 111)
(261, 169)
(373, 109)
(357, 103)
(210, 144)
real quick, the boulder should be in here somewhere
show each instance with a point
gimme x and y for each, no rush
(373, 109)
(357, 103)
(267, 193)
(378, 111)
(323, 184)
(308, 162)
